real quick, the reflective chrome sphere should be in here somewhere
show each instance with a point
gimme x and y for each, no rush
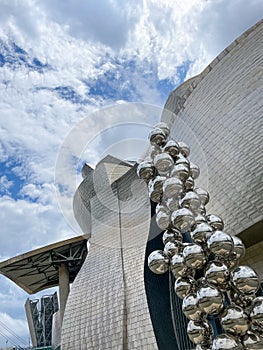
(182, 160)
(239, 248)
(164, 127)
(172, 235)
(203, 195)
(184, 149)
(226, 342)
(172, 248)
(156, 184)
(194, 171)
(217, 275)
(190, 201)
(190, 308)
(172, 203)
(184, 286)
(257, 314)
(189, 184)
(154, 150)
(252, 341)
(245, 279)
(163, 162)
(203, 346)
(215, 222)
(234, 320)
(155, 196)
(157, 137)
(180, 171)
(172, 187)
(199, 219)
(145, 170)
(158, 262)
(172, 148)
(163, 219)
(183, 219)
(194, 256)
(179, 267)
(210, 300)
(202, 232)
(220, 244)
(201, 210)
(232, 261)
(242, 300)
(199, 332)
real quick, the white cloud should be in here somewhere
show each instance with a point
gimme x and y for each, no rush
(5, 184)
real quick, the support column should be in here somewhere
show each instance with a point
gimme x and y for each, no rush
(63, 288)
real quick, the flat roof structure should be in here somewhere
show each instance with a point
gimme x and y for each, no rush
(39, 269)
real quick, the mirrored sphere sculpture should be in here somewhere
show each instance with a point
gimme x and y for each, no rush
(226, 342)
(245, 279)
(252, 341)
(172, 187)
(191, 309)
(194, 256)
(199, 332)
(181, 171)
(179, 267)
(256, 314)
(164, 127)
(158, 262)
(172, 148)
(239, 248)
(234, 320)
(217, 275)
(202, 231)
(157, 137)
(184, 148)
(215, 222)
(172, 248)
(163, 162)
(145, 170)
(220, 244)
(203, 195)
(190, 201)
(194, 170)
(184, 285)
(183, 219)
(163, 219)
(210, 300)
(172, 235)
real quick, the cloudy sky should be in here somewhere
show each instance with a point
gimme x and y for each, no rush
(60, 62)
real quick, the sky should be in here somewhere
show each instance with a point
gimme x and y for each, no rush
(61, 62)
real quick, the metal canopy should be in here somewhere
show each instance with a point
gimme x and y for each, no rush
(38, 269)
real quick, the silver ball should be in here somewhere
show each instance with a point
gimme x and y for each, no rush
(163, 219)
(163, 162)
(182, 160)
(199, 332)
(190, 201)
(215, 222)
(217, 275)
(206, 346)
(252, 341)
(172, 235)
(184, 149)
(239, 248)
(200, 219)
(256, 314)
(189, 184)
(245, 279)
(145, 170)
(183, 219)
(172, 203)
(181, 171)
(203, 195)
(210, 300)
(226, 342)
(190, 308)
(164, 127)
(184, 286)
(158, 262)
(194, 256)
(172, 187)
(156, 184)
(178, 266)
(155, 196)
(234, 320)
(220, 244)
(154, 150)
(194, 171)
(157, 137)
(201, 233)
(172, 248)
(172, 148)
(201, 210)
(242, 300)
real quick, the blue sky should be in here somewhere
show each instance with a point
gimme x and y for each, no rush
(60, 62)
